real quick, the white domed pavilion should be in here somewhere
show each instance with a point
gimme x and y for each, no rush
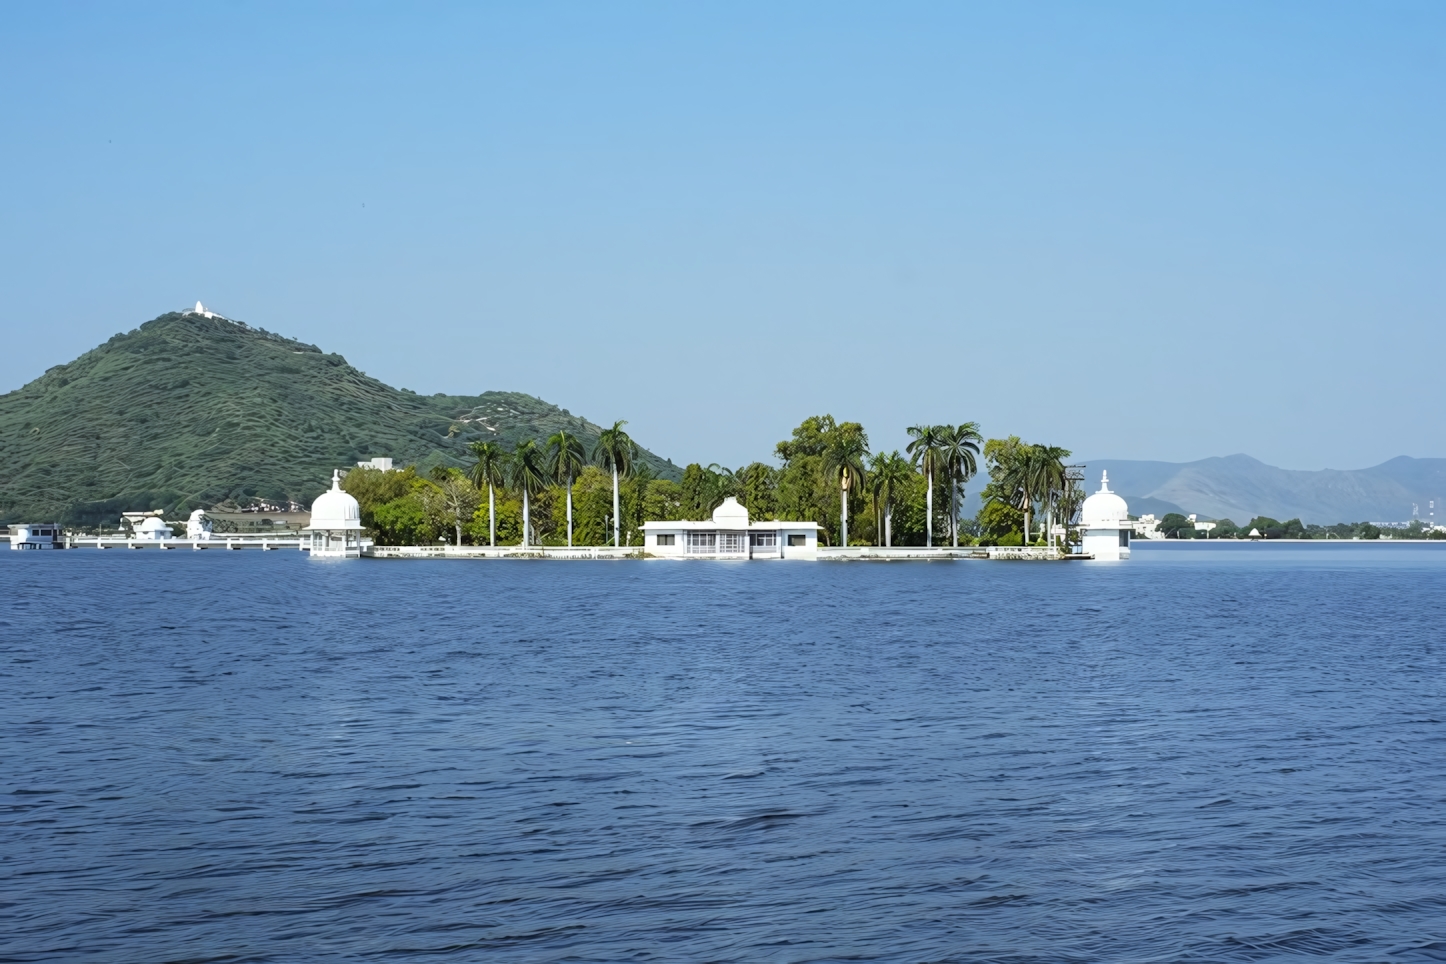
(152, 529)
(1105, 522)
(335, 531)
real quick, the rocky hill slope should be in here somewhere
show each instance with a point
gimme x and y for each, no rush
(189, 410)
(1239, 488)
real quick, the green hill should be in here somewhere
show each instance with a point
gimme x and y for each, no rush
(189, 411)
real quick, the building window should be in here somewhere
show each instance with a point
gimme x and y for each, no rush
(798, 540)
(665, 540)
(702, 543)
(731, 541)
(763, 540)
(1124, 538)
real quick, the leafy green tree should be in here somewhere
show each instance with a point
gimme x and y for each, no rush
(565, 459)
(1174, 525)
(757, 489)
(592, 499)
(615, 451)
(373, 488)
(489, 468)
(664, 501)
(704, 489)
(843, 459)
(1000, 522)
(527, 475)
(1267, 527)
(959, 445)
(927, 451)
(804, 489)
(403, 521)
(458, 499)
(1024, 474)
(1007, 474)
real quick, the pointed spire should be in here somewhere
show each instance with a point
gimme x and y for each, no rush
(1105, 481)
(335, 480)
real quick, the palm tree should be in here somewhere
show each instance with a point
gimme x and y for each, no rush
(527, 475)
(1027, 475)
(616, 451)
(844, 458)
(1051, 474)
(490, 469)
(888, 476)
(565, 459)
(927, 450)
(960, 445)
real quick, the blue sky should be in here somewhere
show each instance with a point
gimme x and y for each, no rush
(1144, 230)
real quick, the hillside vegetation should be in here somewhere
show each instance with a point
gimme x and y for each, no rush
(189, 411)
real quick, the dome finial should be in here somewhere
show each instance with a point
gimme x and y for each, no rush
(336, 478)
(1105, 481)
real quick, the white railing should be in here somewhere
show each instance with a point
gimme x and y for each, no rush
(501, 552)
(940, 553)
(215, 542)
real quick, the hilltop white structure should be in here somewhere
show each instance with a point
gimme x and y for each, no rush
(1105, 523)
(335, 531)
(201, 310)
(379, 463)
(729, 535)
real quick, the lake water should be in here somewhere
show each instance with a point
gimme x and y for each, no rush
(1232, 753)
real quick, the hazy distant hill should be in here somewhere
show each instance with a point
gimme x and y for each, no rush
(188, 410)
(1239, 487)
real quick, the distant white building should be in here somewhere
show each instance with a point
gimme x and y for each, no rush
(1105, 524)
(335, 531)
(1147, 527)
(729, 535)
(37, 535)
(198, 527)
(152, 529)
(380, 464)
(201, 310)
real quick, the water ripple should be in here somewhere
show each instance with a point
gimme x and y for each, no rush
(1219, 756)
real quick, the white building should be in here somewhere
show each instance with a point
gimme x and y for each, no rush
(198, 527)
(380, 464)
(1147, 527)
(731, 536)
(152, 529)
(335, 531)
(37, 535)
(1104, 520)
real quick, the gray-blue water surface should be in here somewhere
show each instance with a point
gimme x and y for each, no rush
(1223, 754)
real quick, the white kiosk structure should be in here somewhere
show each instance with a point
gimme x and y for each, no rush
(731, 536)
(1104, 520)
(335, 531)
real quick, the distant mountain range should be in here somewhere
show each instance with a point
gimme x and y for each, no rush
(192, 409)
(1239, 488)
